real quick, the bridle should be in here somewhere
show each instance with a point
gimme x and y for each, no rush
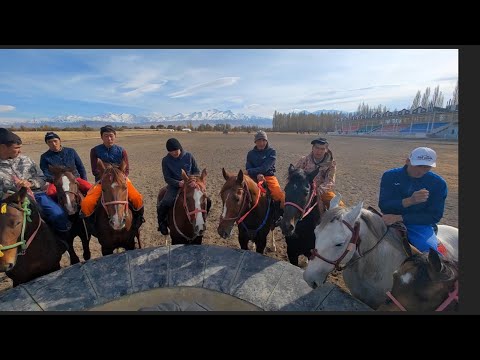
(306, 210)
(115, 202)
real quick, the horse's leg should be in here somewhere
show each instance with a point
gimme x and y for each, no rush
(85, 238)
(260, 244)
(197, 240)
(74, 259)
(243, 241)
(107, 250)
(292, 251)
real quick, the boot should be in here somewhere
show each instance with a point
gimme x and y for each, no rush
(162, 214)
(138, 218)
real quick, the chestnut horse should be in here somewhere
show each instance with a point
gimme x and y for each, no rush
(424, 282)
(70, 198)
(28, 247)
(247, 204)
(113, 218)
(188, 217)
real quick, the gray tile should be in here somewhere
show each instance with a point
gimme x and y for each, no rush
(148, 268)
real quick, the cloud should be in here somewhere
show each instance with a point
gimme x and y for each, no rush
(143, 90)
(218, 83)
(6, 108)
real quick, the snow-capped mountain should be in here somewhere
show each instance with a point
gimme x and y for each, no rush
(212, 116)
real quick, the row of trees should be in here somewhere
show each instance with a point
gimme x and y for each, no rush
(325, 122)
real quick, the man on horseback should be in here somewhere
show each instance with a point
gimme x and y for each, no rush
(172, 165)
(59, 155)
(19, 170)
(414, 195)
(321, 157)
(260, 166)
(111, 153)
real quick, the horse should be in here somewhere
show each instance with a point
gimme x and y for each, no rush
(246, 203)
(113, 218)
(188, 226)
(29, 248)
(69, 198)
(424, 282)
(357, 241)
(301, 214)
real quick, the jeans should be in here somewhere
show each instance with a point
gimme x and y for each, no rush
(422, 237)
(54, 213)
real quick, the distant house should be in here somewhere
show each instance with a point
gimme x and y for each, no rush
(187, 130)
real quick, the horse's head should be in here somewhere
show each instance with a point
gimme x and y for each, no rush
(235, 196)
(67, 188)
(194, 198)
(12, 219)
(335, 241)
(300, 198)
(424, 282)
(114, 193)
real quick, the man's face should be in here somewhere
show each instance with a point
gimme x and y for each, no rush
(261, 143)
(54, 144)
(12, 151)
(175, 153)
(108, 139)
(319, 151)
(417, 171)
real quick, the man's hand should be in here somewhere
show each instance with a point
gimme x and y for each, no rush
(181, 183)
(417, 197)
(24, 183)
(390, 219)
(260, 177)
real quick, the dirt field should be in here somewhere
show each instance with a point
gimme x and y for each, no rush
(360, 164)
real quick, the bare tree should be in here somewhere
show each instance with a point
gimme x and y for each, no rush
(455, 95)
(425, 97)
(416, 100)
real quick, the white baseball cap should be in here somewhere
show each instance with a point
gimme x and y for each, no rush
(423, 156)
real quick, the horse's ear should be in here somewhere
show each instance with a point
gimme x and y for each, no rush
(123, 166)
(354, 214)
(335, 201)
(311, 175)
(100, 166)
(203, 175)
(434, 260)
(291, 169)
(184, 176)
(240, 177)
(225, 175)
(18, 197)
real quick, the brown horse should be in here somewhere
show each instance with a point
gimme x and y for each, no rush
(245, 203)
(69, 198)
(424, 282)
(28, 247)
(113, 218)
(188, 216)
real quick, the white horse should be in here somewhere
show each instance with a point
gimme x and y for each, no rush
(358, 241)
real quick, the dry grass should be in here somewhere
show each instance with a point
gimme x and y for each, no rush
(36, 137)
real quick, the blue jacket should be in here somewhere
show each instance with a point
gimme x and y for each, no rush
(172, 167)
(67, 157)
(397, 185)
(113, 155)
(261, 162)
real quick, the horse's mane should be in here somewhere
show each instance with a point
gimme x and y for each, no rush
(117, 173)
(374, 222)
(297, 175)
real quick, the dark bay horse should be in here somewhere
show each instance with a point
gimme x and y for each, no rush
(70, 198)
(28, 247)
(245, 203)
(301, 213)
(188, 217)
(424, 282)
(113, 217)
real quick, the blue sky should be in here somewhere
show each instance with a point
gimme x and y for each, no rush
(43, 83)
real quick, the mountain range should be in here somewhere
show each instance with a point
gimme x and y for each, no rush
(211, 117)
